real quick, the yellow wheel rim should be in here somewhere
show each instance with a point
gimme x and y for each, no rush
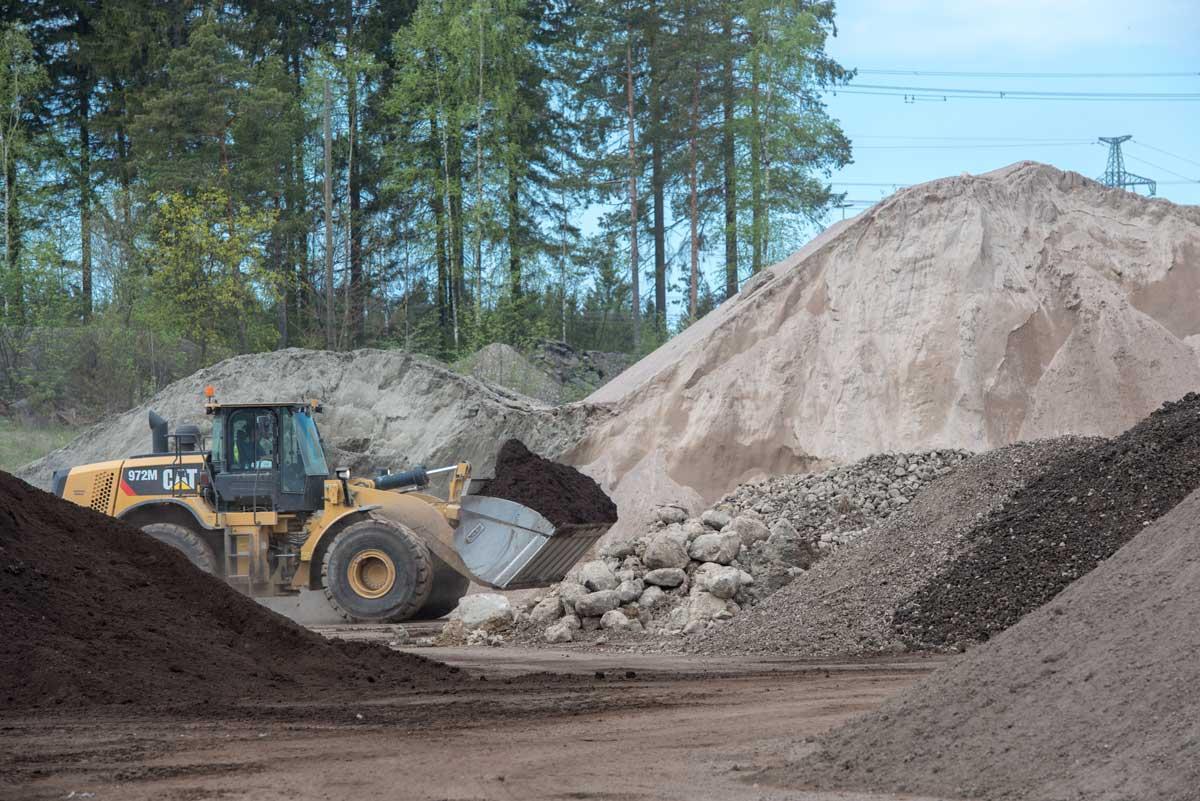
(372, 573)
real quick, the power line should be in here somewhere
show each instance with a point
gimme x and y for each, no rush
(1055, 94)
(1139, 143)
(1164, 169)
(1027, 140)
(954, 74)
(949, 146)
(1006, 95)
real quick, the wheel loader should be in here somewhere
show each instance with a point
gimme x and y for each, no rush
(260, 508)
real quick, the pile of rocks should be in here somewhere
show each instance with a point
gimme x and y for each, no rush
(688, 573)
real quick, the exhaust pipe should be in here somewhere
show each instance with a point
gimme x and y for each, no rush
(417, 477)
(158, 433)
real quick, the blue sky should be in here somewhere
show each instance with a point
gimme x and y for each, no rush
(901, 143)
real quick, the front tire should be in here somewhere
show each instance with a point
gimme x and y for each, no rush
(185, 541)
(377, 571)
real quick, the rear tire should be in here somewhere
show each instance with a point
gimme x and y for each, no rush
(377, 571)
(449, 586)
(186, 542)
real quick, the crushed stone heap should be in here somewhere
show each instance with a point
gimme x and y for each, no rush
(969, 312)
(1067, 521)
(383, 409)
(1093, 696)
(845, 604)
(684, 575)
(94, 612)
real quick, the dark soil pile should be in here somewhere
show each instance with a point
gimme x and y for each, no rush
(1060, 527)
(559, 492)
(94, 612)
(1094, 696)
(845, 603)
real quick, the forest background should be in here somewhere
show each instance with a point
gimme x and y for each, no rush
(186, 181)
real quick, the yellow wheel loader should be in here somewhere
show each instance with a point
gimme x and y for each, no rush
(260, 508)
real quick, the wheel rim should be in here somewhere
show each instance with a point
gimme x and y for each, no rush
(372, 573)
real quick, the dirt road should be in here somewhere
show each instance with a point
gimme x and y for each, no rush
(662, 727)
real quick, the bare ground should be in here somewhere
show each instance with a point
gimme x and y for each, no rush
(535, 724)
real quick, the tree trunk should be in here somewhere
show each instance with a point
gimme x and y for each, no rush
(15, 302)
(456, 210)
(85, 197)
(729, 158)
(514, 234)
(634, 269)
(453, 243)
(440, 243)
(297, 199)
(330, 331)
(354, 235)
(755, 159)
(279, 266)
(479, 184)
(657, 182)
(693, 205)
(10, 181)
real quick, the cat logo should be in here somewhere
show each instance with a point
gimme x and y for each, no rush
(179, 480)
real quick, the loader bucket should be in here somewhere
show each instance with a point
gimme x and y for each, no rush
(510, 547)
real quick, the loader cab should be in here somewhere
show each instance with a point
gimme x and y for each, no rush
(267, 457)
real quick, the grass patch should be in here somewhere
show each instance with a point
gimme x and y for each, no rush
(20, 444)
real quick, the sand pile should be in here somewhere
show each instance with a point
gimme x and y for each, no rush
(1094, 696)
(94, 612)
(969, 312)
(1074, 516)
(846, 602)
(559, 492)
(382, 409)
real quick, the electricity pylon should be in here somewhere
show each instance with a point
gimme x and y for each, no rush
(1114, 173)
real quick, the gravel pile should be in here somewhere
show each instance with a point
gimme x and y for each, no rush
(1095, 696)
(1074, 516)
(686, 575)
(844, 604)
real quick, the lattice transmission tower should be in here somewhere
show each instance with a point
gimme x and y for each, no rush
(1115, 174)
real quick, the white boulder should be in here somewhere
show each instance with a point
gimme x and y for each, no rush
(666, 550)
(721, 547)
(666, 577)
(614, 619)
(485, 608)
(559, 632)
(596, 575)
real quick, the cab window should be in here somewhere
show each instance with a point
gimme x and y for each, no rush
(218, 443)
(252, 440)
(291, 462)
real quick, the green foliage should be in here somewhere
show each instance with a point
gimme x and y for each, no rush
(166, 175)
(208, 275)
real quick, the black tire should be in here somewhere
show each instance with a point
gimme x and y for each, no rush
(448, 587)
(377, 571)
(186, 541)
